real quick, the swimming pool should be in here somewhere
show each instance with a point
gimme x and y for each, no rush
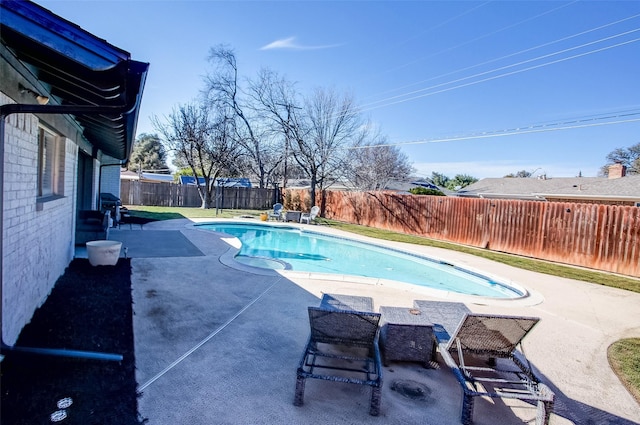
(282, 247)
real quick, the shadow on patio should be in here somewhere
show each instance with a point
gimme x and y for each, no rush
(218, 344)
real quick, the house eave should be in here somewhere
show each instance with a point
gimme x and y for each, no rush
(78, 69)
(589, 197)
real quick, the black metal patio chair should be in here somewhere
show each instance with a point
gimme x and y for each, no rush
(483, 355)
(342, 347)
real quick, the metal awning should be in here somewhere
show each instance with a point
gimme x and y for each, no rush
(79, 69)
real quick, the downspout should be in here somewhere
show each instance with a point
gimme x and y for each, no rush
(5, 111)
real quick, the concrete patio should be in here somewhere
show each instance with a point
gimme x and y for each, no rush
(217, 343)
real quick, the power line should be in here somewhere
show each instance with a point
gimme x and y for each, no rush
(515, 54)
(441, 24)
(580, 123)
(390, 100)
(484, 35)
(503, 75)
(621, 118)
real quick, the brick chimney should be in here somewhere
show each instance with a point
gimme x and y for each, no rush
(617, 170)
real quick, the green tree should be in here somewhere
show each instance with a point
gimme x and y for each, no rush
(439, 180)
(460, 181)
(148, 155)
(425, 191)
(520, 174)
(629, 157)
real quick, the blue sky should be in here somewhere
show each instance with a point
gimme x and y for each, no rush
(484, 88)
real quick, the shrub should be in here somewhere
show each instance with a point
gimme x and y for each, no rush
(425, 191)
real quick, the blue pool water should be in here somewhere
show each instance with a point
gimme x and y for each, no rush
(316, 253)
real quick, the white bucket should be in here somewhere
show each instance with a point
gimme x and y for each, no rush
(103, 253)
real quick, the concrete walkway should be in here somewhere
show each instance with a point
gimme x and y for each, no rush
(217, 343)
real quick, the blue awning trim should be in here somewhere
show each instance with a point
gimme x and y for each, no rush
(79, 69)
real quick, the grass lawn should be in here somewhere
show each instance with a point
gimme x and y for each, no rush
(624, 357)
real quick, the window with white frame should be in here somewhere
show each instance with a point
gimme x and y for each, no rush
(49, 163)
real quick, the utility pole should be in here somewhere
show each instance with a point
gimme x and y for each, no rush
(288, 106)
(286, 160)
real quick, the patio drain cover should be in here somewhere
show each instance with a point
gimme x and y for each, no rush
(412, 390)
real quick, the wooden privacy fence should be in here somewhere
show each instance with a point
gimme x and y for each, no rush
(603, 237)
(133, 192)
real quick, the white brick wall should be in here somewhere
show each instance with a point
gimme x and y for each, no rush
(37, 237)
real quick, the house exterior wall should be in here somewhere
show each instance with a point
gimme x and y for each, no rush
(37, 234)
(110, 179)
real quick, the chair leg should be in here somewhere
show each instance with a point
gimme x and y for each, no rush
(299, 396)
(467, 409)
(375, 401)
(543, 413)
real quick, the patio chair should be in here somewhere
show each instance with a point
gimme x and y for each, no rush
(310, 216)
(276, 214)
(342, 347)
(505, 372)
(91, 226)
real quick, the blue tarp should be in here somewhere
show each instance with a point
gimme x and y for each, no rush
(191, 180)
(222, 182)
(426, 184)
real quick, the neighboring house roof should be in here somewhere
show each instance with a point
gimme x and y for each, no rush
(625, 188)
(155, 177)
(223, 181)
(78, 70)
(426, 184)
(234, 182)
(129, 175)
(407, 185)
(300, 184)
(150, 177)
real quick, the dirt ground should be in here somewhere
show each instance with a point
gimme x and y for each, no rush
(89, 309)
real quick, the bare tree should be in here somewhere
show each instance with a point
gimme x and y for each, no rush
(276, 102)
(522, 174)
(263, 151)
(332, 124)
(317, 133)
(373, 163)
(202, 138)
(629, 157)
